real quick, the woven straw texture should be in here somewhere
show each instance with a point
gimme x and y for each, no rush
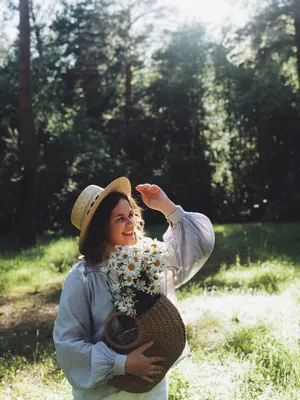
(163, 325)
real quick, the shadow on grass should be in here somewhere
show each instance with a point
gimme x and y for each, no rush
(27, 346)
(26, 338)
(246, 244)
(8, 248)
(256, 243)
(24, 254)
(8, 243)
(48, 295)
(53, 296)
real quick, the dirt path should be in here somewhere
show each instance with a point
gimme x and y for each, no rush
(26, 323)
(28, 311)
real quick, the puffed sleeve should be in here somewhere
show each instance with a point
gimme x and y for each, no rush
(83, 363)
(190, 238)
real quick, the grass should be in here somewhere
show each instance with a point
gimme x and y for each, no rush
(241, 312)
(33, 269)
(249, 362)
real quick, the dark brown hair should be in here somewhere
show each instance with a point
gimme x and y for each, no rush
(95, 242)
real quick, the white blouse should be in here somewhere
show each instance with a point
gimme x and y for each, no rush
(86, 361)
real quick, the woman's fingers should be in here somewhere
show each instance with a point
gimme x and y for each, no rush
(144, 347)
(155, 372)
(145, 378)
(156, 359)
(157, 368)
(146, 187)
(143, 187)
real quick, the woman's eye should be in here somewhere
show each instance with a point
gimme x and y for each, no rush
(122, 218)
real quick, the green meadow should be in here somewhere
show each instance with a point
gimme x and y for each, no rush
(242, 313)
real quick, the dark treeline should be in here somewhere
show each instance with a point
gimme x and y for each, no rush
(217, 126)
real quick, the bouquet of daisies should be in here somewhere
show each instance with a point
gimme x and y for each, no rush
(136, 275)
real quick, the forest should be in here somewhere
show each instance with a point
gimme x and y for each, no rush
(108, 88)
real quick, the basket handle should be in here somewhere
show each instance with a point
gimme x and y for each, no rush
(122, 347)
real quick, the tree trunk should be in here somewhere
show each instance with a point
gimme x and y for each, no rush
(26, 212)
(128, 94)
(37, 31)
(296, 12)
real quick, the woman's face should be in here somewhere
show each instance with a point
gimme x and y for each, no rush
(121, 228)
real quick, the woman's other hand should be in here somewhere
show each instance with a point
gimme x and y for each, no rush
(154, 197)
(139, 365)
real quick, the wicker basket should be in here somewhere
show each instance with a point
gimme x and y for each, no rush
(163, 325)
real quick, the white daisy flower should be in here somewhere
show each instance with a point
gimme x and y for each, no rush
(121, 306)
(152, 289)
(129, 292)
(131, 312)
(124, 304)
(140, 284)
(113, 262)
(157, 262)
(155, 245)
(155, 277)
(133, 267)
(158, 286)
(128, 280)
(124, 255)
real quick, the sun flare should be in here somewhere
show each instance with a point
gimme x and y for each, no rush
(213, 12)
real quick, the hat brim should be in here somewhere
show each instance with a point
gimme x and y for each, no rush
(121, 185)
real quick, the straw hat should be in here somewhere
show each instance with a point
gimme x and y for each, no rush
(89, 200)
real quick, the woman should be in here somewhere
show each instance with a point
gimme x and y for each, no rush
(105, 218)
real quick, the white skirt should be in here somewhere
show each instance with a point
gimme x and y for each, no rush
(160, 392)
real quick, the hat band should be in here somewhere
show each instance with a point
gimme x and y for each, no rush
(88, 209)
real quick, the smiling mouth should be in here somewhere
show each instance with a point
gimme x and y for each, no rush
(128, 233)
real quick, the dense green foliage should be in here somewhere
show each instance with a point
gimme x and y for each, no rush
(217, 126)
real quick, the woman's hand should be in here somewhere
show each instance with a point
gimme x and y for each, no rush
(154, 197)
(139, 365)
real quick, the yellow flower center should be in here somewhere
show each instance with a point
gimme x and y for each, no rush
(131, 267)
(157, 263)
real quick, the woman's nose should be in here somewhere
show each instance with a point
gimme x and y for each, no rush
(129, 222)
